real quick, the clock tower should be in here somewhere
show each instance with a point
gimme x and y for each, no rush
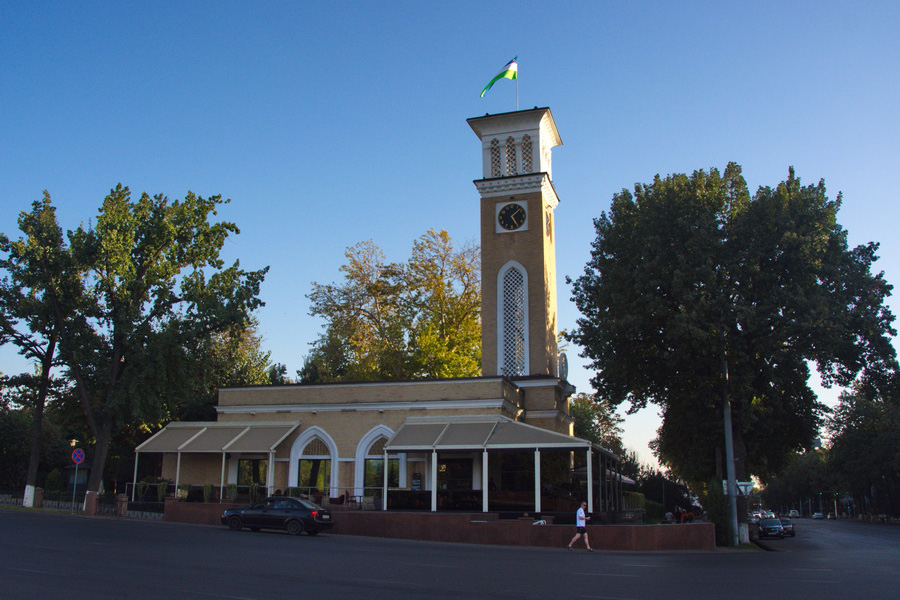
(518, 253)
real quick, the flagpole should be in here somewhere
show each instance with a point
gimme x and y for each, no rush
(517, 92)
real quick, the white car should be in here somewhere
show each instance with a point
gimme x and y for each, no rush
(794, 514)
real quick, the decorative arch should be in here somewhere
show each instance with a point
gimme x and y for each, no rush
(527, 154)
(512, 320)
(511, 168)
(362, 452)
(495, 158)
(307, 436)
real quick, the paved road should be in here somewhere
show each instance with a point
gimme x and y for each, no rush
(57, 556)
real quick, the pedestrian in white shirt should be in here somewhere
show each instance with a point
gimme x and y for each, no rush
(581, 520)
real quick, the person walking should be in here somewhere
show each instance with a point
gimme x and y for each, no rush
(581, 527)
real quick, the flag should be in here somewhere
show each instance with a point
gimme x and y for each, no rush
(509, 71)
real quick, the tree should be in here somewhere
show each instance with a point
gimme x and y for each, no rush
(864, 456)
(145, 283)
(33, 268)
(597, 421)
(399, 321)
(691, 274)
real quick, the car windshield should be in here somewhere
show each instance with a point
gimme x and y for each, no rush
(785, 522)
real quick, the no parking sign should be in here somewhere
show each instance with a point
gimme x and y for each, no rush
(78, 456)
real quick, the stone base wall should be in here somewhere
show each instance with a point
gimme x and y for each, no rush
(479, 528)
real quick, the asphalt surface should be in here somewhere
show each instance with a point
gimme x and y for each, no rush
(60, 556)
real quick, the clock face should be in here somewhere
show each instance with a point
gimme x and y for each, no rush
(512, 216)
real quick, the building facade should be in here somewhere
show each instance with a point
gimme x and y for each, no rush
(502, 441)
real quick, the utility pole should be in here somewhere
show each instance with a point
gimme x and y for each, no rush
(729, 451)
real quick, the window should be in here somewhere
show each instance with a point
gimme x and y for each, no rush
(314, 473)
(513, 311)
(252, 470)
(374, 469)
(527, 153)
(511, 156)
(495, 158)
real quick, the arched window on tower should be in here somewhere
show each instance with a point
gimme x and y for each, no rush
(527, 155)
(314, 474)
(495, 158)
(511, 156)
(514, 322)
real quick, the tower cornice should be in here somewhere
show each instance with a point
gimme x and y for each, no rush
(518, 184)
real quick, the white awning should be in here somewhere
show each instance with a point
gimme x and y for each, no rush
(489, 432)
(212, 436)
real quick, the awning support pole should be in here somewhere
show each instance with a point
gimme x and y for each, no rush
(134, 483)
(385, 494)
(434, 458)
(270, 474)
(177, 473)
(590, 480)
(222, 480)
(537, 481)
(484, 481)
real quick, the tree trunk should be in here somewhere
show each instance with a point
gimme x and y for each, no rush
(37, 420)
(101, 451)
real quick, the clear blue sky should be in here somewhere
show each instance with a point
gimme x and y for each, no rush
(344, 121)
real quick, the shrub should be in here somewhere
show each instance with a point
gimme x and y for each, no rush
(54, 481)
(142, 488)
(254, 491)
(207, 491)
(716, 505)
(161, 489)
(182, 492)
(231, 490)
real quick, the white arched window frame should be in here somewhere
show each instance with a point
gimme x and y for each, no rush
(362, 453)
(297, 448)
(512, 320)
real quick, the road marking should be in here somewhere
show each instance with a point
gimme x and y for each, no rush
(607, 574)
(31, 571)
(220, 596)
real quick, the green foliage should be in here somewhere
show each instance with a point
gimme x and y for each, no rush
(207, 491)
(231, 490)
(716, 505)
(132, 297)
(396, 321)
(597, 421)
(141, 490)
(690, 274)
(54, 481)
(183, 491)
(654, 512)
(864, 457)
(254, 491)
(161, 490)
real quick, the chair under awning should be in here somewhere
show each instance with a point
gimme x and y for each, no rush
(212, 437)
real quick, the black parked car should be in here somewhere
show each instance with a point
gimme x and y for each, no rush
(788, 527)
(295, 515)
(770, 528)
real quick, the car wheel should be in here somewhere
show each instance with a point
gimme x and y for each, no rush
(235, 523)
(294, 527)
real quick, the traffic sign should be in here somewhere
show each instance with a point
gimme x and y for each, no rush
(78, 456)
